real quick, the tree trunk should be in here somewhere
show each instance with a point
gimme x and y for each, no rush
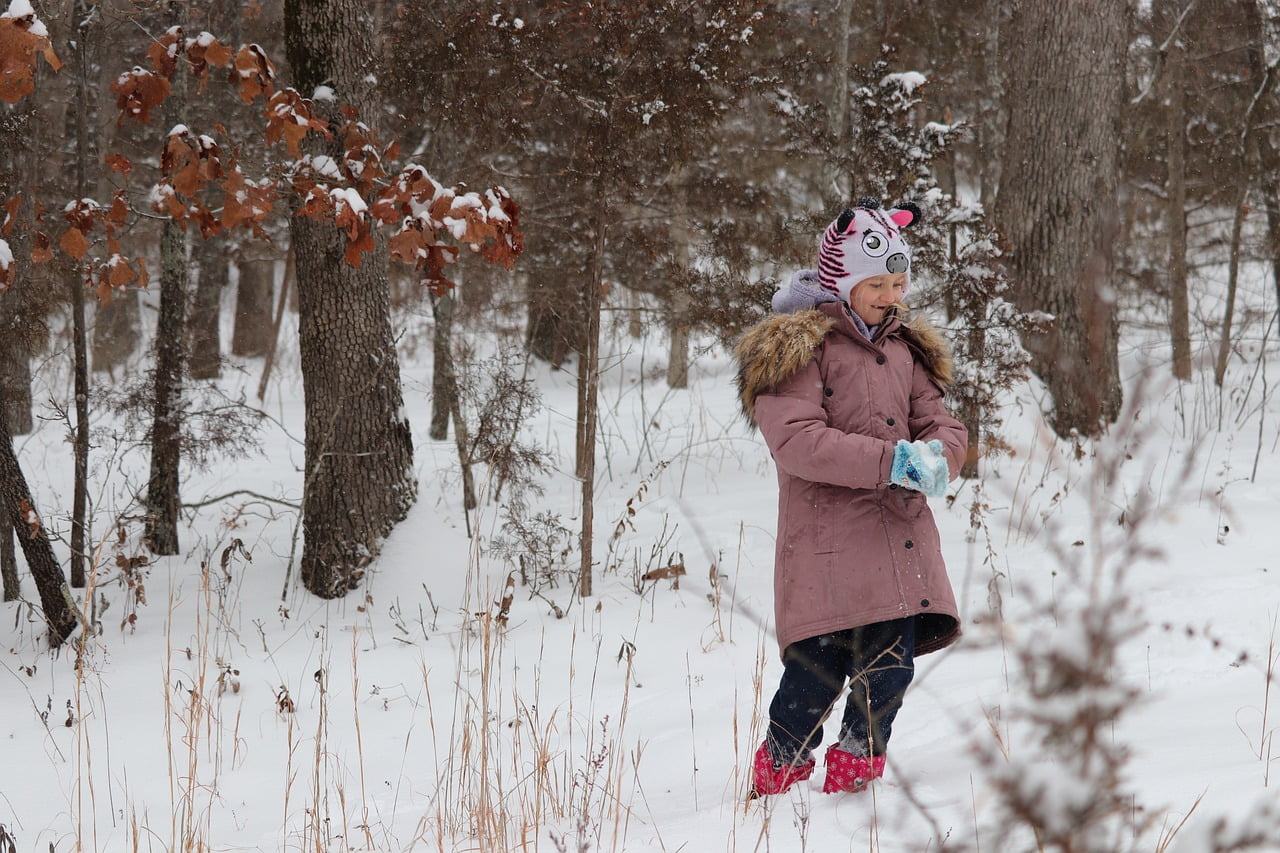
(206, 309)
(8, 561)
(117, 330)
(988, 125)
(588, 396)
(288, 287)
(85, 93)
(1057, 203)
(1176, 202)
(443, 386)
(251, 336)
(163, 500)
(359, 450)
(1233, 277)
(678, 307)
(1268, 156)
(837, 186)
(678, 323)
(163, 492)
(19, 506)
(555, 320)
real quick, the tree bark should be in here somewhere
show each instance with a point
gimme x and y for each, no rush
(116, 331)
(85, 95)
(359, 450)
(12, 586)
(1176, 201)
(1057, 203)
(206, 309)
(164, 500)
(1233, 278)
(588, 396)
(19, 507)
(443, 386)
(251, 336)
(1268, 156)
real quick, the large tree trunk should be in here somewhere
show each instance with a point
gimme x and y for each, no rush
(359, 450)
(251, 335)
(163, 499)
(18, 506)
(1057, 203)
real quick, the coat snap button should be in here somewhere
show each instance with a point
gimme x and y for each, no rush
(879, 359)
(924, 602)
(890, 422)
(828, 391)
(893, 485)
(910, 544)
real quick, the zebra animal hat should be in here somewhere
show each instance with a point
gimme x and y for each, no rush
(864, 241)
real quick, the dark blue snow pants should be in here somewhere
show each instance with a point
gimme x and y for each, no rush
(877, 661)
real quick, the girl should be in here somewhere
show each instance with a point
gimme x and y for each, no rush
(848, 398)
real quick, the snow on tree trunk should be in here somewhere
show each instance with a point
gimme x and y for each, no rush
(359, 477)
(1057, 205)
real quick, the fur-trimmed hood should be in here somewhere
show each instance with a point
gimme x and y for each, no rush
(779, 346)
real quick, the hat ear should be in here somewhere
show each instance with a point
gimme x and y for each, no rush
(846, 216)
(905, 214)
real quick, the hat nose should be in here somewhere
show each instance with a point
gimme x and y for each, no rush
(897, 263)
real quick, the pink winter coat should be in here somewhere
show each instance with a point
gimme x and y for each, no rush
(852, 550)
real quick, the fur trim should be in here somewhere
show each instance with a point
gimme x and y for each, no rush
(779, 346)
(931, 348)
(774, 350)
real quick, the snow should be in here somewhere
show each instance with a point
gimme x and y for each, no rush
(19, 9)
(232, 709)
(906, 81)
(349, 197)
(6, 254)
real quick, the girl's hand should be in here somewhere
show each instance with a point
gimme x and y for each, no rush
(920, 466)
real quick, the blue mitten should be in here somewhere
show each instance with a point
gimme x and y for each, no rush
(920, 466)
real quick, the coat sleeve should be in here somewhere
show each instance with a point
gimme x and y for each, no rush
(930, 419)
(794, 425)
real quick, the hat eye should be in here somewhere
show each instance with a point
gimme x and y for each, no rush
(874, 244)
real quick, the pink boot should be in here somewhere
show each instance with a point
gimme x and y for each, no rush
(847, 772)
(773, 777)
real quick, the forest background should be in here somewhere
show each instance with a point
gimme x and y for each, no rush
(221, 232)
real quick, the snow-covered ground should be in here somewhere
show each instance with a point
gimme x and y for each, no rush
(407, 716)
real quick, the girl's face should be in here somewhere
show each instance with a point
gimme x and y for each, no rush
(872, 296)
